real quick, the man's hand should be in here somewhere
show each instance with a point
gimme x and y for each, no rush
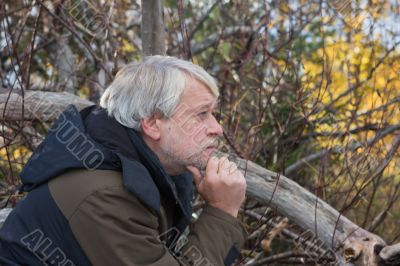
(223, 185)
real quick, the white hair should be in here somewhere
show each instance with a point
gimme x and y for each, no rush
(154, 85)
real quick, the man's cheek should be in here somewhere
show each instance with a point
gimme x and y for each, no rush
(200, 137)
(190, 127)
(195, 131)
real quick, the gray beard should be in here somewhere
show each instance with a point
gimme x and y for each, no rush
(178, 163)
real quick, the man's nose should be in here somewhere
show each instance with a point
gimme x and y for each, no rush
(214, 128)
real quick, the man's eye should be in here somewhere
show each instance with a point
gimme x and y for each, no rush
(203, 114)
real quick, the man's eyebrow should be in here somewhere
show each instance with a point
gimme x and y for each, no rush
(212, 105)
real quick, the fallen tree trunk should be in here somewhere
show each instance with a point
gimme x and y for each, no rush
(36, 105)
(391, 254)
(345, 239)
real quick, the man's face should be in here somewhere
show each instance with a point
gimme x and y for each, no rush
(191, 134)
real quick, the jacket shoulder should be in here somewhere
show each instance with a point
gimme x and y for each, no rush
(70, 189)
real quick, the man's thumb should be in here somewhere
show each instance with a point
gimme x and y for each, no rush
(196, 174)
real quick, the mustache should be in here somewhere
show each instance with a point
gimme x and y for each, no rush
(213, 142)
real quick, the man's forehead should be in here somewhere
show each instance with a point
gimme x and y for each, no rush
(196, 87)
(200, 101)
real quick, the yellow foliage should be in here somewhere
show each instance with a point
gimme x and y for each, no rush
(18, 154)
(3, 153)
(22, 151)
(356, 71)
(15, 154)
(127, 47)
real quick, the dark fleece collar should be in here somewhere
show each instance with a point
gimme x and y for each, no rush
(92, 139)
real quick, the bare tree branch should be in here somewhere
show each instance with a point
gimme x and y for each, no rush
(213, 38)
(203, 19)
(338, 149)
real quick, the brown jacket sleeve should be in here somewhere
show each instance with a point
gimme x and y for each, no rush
(212, 237)
(114, 228)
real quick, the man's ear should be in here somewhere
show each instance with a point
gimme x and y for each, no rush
(151, 128)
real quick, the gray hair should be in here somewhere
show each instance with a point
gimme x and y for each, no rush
(154, 85)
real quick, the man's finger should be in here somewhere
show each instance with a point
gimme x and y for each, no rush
(223, 165)
(232, 168)
(212, 166)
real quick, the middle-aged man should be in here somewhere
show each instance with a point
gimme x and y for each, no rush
(113, 185)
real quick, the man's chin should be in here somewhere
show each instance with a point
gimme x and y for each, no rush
(201, 164)
(200, 160)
